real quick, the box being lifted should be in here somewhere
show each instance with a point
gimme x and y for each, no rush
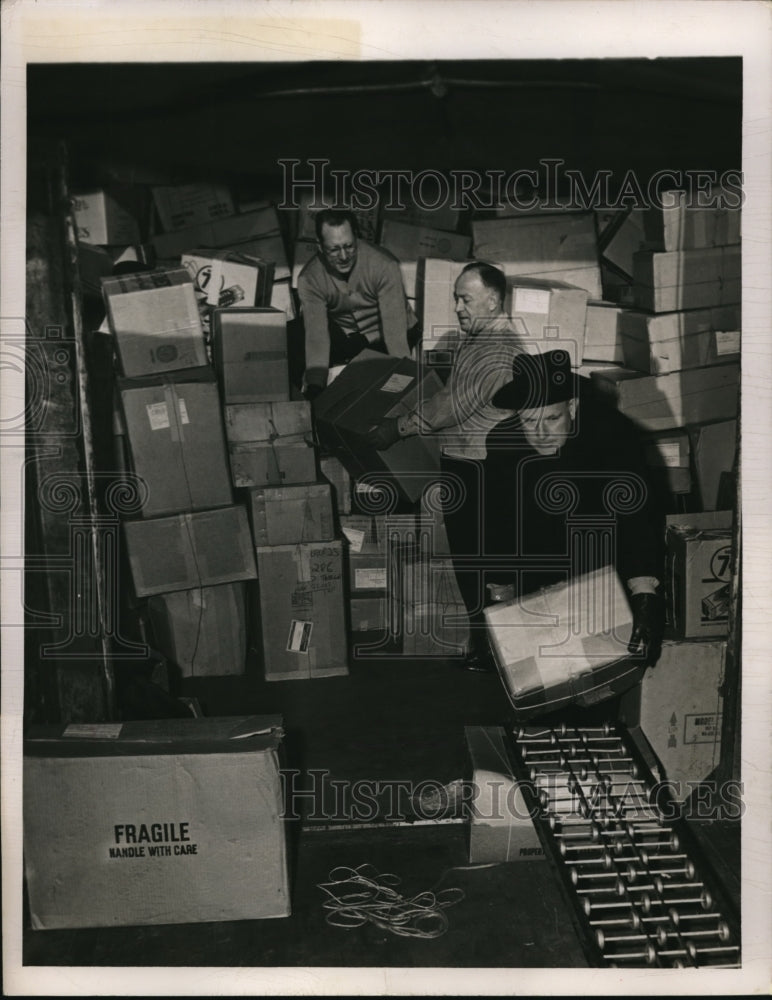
(164, 822)
(155, 320)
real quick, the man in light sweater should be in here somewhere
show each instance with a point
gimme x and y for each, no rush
(461, 415)
(352, 297)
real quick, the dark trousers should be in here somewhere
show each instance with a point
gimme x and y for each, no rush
(462, 513)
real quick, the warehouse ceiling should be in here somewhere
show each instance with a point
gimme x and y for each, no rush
(176, 122)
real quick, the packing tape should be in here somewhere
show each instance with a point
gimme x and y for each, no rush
(170, 398)
(301, 556)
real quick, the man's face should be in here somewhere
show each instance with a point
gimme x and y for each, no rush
(339, 246)
(546, 428)
(473, 300)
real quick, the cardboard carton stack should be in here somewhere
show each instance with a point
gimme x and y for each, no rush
(189, 551)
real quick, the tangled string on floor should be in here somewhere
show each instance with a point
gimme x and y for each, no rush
(362, 895)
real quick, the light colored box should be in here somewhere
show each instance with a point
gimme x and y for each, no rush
(500, 827)
(435, 306)
(245, 422)
(659, 344)
(202, 632)
(679, 706)
(549, 315)
(698, 575)
(625, 240)
(681, 226)
(713, 448)
(250, 350)
(410, 243)
(100, 219)
(230, 277)
(163, 822)
(218, 233)
(566, 643)
(602, 337)
(302, 610)
(687, 279)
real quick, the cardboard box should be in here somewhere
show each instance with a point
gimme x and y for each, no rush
(368, 614)
(97, 262)
(218, 233)
(665, 402)
(284, 515)
(250, 352)
(435, 306)
(409, 243)
(270, 443)
(433, 615)
(500, 826)
(101, 219)
(230, 277)
(376, 549)
(713, 449)
(679, 226)
(624, 238)
(602, 337)
(667, 454)
(248, 422)
(177, 447)
(687, 279)
(162, 822)
(369, 389)
(189, 551)
(367, 218)
(566, 643)
(337, 476)
(268, 248)
(549, 315)
(187, 205)
(302, 610)
(542, 246)
(698, 574)
(155, 320)
(675, 341)
(281, 298)
(201, 632)
(678, 706)
(443, 217)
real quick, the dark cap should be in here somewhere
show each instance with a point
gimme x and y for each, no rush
(538, 380)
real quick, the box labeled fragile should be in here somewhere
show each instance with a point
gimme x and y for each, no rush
(548, 315)
(189, 551)
(283, 515)
(161, 822)
(250, 352)
(302, 610)
(499, 823)
(201, 632)
(658, 344)
(678, 706)
(686, 279)
(699, 573)
(155, 320)
(566, 643)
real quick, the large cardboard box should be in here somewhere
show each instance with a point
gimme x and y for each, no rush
(218, 233)
(162, 822)
(184, 205)
(565, 643)
(284, 515)
(268, 248)
(678, 225)
(302, 610)
(602, 336)
(433, 615)
(561, 246)
(270, 443)
(667, 455)
(500, 826)
(101, 219)
(189, 551)
(97, 262)
(699, 578)
(549, 315)
(247, 422)
(713, 449)
(368, 614)
(155, 320)
(678, 706)
(409, 243)
(177, 446)
(687, 279)
(230, 277)
(435, 305)
(369, 389)
(250, 352)
(674, 341)
(623, 239)
(443, 217)
(201, 632)
(665, 402)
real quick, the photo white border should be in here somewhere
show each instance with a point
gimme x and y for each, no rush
(271, 30)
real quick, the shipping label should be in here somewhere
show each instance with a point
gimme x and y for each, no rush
(299, 636)
(727, 342)
(397, 383)
(183, 411)
(370, 579)
(158, 415)
(670, 452)
(702, 728)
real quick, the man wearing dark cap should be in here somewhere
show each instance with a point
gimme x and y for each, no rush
(569, 465)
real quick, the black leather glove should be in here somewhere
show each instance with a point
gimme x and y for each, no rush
(648, 626)
(384, 435)
(312, 391)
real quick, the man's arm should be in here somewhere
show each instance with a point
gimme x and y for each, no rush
(393, 309)
(313, 302)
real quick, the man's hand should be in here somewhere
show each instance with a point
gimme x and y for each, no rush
(383, 435)
(648, 626)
